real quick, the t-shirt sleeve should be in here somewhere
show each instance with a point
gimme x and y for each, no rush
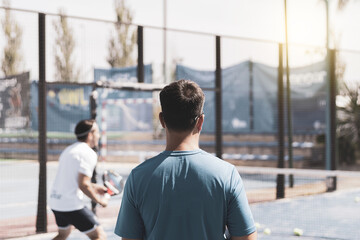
(87, 164)
(129, 222)
(239, 217)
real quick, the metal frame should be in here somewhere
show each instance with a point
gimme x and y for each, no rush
(41, 220)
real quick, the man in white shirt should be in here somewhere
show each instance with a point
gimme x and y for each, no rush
(73, 180)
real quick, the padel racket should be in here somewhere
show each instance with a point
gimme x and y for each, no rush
(114, 183)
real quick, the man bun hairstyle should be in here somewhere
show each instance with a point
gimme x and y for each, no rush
(181, 103)
(83, 128)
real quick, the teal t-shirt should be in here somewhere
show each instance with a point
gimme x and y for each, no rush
(184, 195)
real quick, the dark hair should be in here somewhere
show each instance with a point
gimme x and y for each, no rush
(83, 128)
(181, 103)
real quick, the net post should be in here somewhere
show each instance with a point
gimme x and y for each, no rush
(280, 179)
(41, 217)
(331, 183)
(218, 99)
(140, 64)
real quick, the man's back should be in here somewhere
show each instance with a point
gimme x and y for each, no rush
(184, 195)
(65, 194)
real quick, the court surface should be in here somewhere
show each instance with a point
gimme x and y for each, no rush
(333, 215)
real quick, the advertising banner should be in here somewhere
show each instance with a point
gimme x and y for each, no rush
(14, 101)
(66, 104)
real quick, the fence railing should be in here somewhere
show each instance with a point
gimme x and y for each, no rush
(205, 55)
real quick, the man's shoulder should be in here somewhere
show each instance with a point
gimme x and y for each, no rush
(211, 158)
(80, 149)
(145, 169)
(156, 160)
(75, 145)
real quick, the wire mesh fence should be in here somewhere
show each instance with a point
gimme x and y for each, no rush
(249, 73)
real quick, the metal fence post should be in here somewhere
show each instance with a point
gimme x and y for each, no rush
(280, 179)
(331, 161)
(140, 64)
(288, 101)
(41, 220)
(218, 100)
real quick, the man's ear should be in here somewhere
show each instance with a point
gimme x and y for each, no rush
(161, 118)
(200, 122)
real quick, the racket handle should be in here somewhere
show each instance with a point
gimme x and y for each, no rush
(107, 196)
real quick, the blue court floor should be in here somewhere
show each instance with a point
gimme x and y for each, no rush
(327, 216)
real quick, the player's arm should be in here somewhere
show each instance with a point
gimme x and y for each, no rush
(91, 190)
(240, 220)
(252, 236)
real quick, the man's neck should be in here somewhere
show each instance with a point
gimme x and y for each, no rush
(181, 141)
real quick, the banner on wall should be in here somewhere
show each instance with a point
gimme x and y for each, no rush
(66, 105)
(308, 97)
(249, 99)
(14, 101)
(125, 110)
(69, 103)
(125, 74)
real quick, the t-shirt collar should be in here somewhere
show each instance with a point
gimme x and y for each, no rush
(181, 153)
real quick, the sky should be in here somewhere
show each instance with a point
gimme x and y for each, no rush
(259, 19)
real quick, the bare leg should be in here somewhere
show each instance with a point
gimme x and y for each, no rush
(97, 234)
(63, 234)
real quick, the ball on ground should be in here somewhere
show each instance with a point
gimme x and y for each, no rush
(267, 231)
(298, 232)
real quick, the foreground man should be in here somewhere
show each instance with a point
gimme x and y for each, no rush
(184, 192)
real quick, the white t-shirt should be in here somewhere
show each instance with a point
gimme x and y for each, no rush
(65, 193)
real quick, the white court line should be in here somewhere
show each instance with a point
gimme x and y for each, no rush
(23, 204)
